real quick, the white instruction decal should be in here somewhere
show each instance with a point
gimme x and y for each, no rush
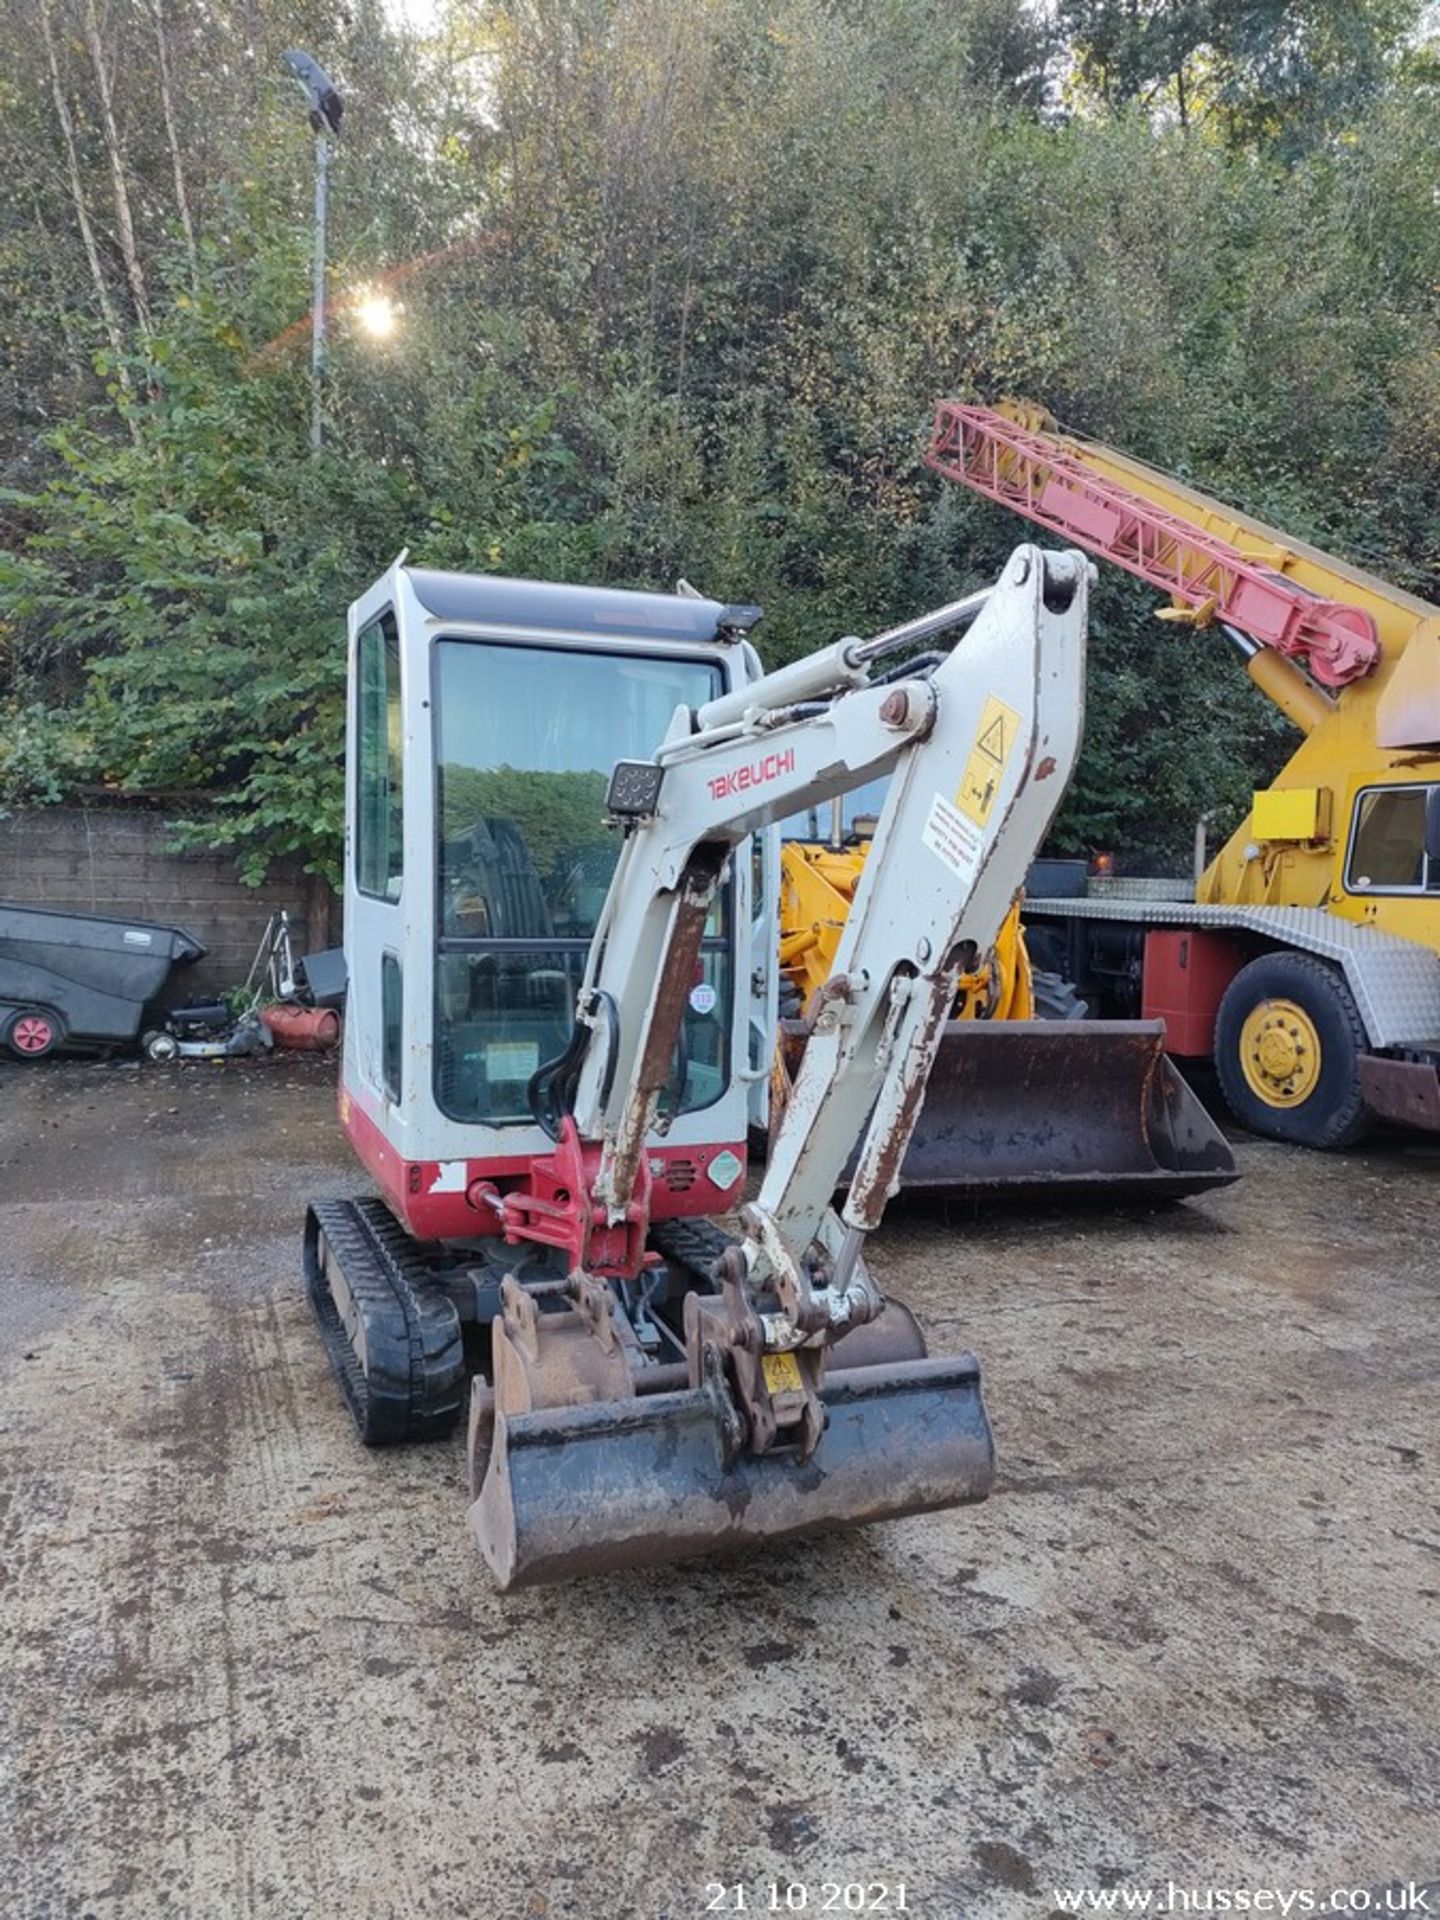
(511, 1059)
(955, 839)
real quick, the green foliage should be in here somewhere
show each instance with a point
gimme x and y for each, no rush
(1287, 71)
(680, 286)
(558, 815)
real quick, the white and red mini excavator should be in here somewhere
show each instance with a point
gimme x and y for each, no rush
(559, 886)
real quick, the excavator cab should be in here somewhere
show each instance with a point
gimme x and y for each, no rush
(486, 717)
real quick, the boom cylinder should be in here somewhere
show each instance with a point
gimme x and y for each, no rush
(1299, 699)
(836, 667)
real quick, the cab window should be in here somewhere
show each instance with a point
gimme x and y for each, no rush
(1387, 843)
(525, 738)
(379, 792)
(392, 1026)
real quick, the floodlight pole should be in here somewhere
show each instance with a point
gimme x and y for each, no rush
(325, 107)
(317, 309)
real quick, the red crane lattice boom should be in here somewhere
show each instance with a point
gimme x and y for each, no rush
(1040, 478)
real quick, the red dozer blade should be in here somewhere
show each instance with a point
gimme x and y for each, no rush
(1058, 1109)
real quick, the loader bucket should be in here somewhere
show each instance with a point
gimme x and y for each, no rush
(1063, 1108)
(634, 1483)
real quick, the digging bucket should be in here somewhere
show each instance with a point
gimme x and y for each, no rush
(633, 1483)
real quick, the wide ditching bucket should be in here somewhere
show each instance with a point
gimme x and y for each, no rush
(1067, 1109)
(587, 1489)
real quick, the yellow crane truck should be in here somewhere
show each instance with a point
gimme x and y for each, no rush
(1305, 956)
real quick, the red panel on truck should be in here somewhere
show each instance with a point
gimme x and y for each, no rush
(1186, 974)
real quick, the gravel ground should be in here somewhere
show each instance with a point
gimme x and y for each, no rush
(251, 1670)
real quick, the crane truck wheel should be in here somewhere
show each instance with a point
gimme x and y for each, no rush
(1288, 1041)
(1057, 998)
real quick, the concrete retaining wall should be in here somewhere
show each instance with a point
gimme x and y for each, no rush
(117, 861)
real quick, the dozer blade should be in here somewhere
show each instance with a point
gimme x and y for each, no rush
(1069, 1108)
(633, 1483)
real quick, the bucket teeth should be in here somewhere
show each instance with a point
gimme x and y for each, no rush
(637, 1482)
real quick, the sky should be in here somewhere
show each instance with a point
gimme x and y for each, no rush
(414, 13)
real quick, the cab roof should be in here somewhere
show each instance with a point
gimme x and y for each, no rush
(488, 599)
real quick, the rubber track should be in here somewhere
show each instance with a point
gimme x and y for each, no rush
(694, 1244)
(411, 1386)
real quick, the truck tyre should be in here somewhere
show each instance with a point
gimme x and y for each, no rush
(1288, 1041)
(31, 1033)
(1057, 998)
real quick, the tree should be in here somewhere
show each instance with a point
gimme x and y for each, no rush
(680, 288)
(1295, 71)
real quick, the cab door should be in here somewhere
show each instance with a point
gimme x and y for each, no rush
(1391, 876)
(375, 870)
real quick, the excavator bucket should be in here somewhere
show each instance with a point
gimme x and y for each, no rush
(587, 1489)
(1067, 1109)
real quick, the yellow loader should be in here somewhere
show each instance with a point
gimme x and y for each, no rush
(1017, 1105)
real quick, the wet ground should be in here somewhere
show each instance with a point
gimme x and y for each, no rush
(252, 1670)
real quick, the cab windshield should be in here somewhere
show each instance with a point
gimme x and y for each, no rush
(525, 738)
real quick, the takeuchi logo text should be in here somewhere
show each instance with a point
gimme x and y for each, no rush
(755, 775)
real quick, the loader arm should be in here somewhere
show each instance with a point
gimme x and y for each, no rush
(980, 749)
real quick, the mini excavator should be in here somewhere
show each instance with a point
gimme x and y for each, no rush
(559, 924)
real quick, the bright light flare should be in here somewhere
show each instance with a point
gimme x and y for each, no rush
(377, 315)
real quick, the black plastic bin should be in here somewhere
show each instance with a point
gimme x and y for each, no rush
(80, 979)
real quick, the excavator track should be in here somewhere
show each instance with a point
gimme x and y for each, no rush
(696, 1245)
(391, 1332)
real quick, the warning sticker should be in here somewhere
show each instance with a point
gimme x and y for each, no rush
(998, 731)
(782, 1372)
(955, 839)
